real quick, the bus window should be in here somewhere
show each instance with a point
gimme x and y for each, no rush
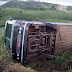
(8, 34)
(8, 30)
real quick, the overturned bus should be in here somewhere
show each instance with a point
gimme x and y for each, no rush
(27, 38)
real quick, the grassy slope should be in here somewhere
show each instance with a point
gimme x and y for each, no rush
(6, 62)
(69, 8)
(35, 15)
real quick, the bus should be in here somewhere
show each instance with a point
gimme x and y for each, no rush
(26, 39)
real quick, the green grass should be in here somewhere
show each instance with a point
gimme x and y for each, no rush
(34, 15)
(63, 58)
(4, 52)
(1, 36)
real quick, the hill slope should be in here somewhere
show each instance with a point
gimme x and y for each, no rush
(69, 8)
(34, 15)
(31, 5)
(34, 11)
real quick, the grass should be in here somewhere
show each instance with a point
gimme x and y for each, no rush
(63, 58)
(34, 15)
(5, 56)
(4, 52)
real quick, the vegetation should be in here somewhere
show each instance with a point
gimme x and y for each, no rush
(4, 52)
(69, 8)
(5, 56)
(31, 5)
(34, 15)
(34, 12)
(63, 58)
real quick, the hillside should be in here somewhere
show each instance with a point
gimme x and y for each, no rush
(34, 5)
(34, 15)
(34, 11)
(69, 8)
(31, 5)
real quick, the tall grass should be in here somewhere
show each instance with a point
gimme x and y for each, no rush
(4, 52)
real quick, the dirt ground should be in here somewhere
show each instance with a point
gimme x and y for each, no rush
(38, 64)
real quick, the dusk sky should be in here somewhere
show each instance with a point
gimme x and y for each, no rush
(61, 2)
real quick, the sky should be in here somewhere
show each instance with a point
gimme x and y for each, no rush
(61, 2)
(2, 2)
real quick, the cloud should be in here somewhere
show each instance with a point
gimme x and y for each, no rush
(61, 2)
